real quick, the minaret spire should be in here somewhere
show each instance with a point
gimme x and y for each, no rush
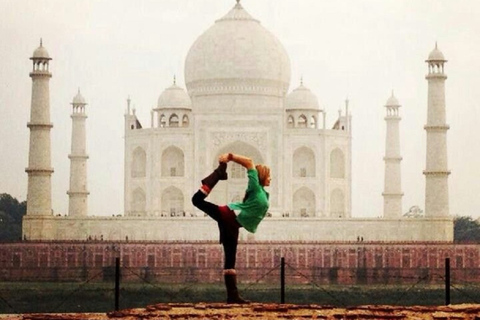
(39, 170)
(436, 172)
(392, 194)
(347, 115)
(77, 192)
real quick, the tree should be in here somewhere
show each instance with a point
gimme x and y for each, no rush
(11, 214)
(466, 230)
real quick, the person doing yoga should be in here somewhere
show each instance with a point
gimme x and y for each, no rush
(252, 209)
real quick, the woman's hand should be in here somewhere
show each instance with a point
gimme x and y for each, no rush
(223, 158)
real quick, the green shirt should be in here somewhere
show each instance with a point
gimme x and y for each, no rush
(255, 204)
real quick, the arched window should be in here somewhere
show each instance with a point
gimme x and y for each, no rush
(173, 121)
(337, 204)
(237, 180)
(139, 163)
(290, 122)
(302, 121)
(163, 121)
(313, 122)
(173, 162)
(138, 202)
(172, 202)
(337, 164)
(304, 203)
(185, 121)
(303, 163)
(237, 171)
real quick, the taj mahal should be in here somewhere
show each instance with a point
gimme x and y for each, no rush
(236, 99)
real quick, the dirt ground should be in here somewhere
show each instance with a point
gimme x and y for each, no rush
(220, 311)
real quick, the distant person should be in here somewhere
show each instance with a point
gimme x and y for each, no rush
(251, 210)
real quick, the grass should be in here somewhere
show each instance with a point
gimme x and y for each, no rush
(26, 297)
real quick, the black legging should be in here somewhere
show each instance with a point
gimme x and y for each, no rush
(227, 226)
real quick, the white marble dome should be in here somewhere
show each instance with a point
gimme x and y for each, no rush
(41, 53)
(78, 99)
(302, 98)
(174, 97)
(436, 55)
(392, 101)
(237, 54)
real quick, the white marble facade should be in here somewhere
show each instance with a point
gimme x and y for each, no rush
(236, 99)
(237, 75)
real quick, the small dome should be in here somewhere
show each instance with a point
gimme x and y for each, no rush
(436, 55)
(174, 97)
(41, 53)
(392, 102)
(302, 98)
(78, 99)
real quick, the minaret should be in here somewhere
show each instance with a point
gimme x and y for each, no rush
(392, 194)
(78, 193)
(436, 172)
(39, 194)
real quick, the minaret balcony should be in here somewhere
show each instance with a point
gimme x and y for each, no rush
(444, 127)
(41, 73)
(439, 76)
(393, 194)
(39, 171)
(396, 159)
(436, 172)
(78, 156)
(33, 125)
(78, 193)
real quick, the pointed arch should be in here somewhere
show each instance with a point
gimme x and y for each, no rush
(185, 121)
(172, 202)
(302, 121)
(290, 122)
(173, 121)
(313, 122)
(337, 164)
(304, 203)
(138, 202)
(162, 121)
(139, 163)
(173, 162)
(303, 163)
(236, 171)
(337, 204)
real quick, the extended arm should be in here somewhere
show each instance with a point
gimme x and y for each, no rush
(241, 160)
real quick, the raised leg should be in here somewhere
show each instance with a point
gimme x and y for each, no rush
(220, 173)
(209, 208)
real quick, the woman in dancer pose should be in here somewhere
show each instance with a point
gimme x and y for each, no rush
(251, 212)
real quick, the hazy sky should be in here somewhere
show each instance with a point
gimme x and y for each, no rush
(361, 49)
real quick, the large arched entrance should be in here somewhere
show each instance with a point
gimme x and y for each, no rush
(234, 188)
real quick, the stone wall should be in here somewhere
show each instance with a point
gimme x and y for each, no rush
(205, 229)
(320, 263)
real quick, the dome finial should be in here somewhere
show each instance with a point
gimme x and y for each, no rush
(174, 79)
(41, 42)
(393, 93)
(301, 80)
(436, 47)
(78, 90)
(238, 1)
